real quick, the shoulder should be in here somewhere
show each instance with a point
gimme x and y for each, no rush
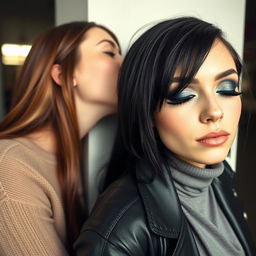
(13, 159)
(17, 157)
(7, 146)
(23, 150)
(117, 223)
(116, 204)
(22, 173)
(14, 154)
(20, 154)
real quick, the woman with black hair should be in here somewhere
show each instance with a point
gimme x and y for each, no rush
(179, 108)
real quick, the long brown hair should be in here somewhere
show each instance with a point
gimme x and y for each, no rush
(39, 101)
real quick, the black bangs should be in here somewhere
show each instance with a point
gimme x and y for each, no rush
(184, 55)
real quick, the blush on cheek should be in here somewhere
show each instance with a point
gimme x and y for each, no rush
(172, 123)
(169, 128)
(108, 69)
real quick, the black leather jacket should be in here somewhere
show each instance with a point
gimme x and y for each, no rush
(140, 219)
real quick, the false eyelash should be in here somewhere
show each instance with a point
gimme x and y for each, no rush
(175, 101)
(229, 93)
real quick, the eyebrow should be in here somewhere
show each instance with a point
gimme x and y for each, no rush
(225, 73)
(107, 41)
(217, 77)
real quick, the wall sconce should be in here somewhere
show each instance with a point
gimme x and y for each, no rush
(14, 54)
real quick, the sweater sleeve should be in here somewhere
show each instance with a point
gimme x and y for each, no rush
(27, 225)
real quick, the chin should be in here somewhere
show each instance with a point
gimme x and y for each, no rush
(215, 157)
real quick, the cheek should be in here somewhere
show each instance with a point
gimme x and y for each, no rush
(238, 109)
(96, 70)
(172, 125)
(107, 69)
(96, 80)
(233, 112)
(169, 123)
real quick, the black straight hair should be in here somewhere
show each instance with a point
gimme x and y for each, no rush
(145, 77)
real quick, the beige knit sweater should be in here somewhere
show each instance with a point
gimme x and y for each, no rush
(31, 210)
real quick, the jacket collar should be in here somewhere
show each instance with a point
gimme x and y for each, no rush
(163, 208)
(224, 191)
(161, 203)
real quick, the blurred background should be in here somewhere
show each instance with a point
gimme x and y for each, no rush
(22, 21)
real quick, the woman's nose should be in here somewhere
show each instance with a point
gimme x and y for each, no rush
(211, 112)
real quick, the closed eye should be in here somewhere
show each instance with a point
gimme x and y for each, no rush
(229, 93)
(111, 54)
(179, 98)
(228, 88)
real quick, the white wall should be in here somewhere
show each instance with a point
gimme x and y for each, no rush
(125, 17)
(67, 11)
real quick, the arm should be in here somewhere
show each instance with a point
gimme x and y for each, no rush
(27, 225)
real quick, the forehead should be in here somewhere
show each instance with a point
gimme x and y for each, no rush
(95, 35)
(217, 60)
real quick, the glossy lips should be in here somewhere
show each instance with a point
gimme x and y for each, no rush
(214, 139)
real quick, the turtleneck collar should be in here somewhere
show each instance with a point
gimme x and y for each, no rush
(191, 177)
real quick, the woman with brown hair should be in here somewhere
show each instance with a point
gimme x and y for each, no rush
(65, 86)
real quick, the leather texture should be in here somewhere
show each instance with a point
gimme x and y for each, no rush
(146, 219)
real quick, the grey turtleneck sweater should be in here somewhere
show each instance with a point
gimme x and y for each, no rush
(212, 231)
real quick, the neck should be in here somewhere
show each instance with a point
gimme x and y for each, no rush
(191, 177)
(90, 115)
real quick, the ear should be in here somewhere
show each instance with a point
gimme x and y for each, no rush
(56, 73)
(74, 81)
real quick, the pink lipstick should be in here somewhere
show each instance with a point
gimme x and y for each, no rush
(214, 139)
